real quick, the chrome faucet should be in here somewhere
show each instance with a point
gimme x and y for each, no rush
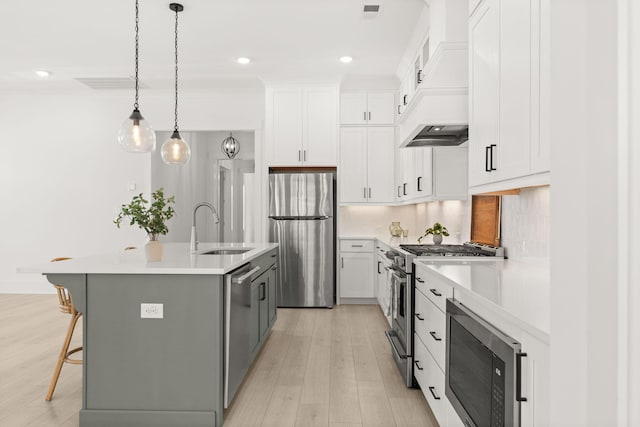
(194, 236)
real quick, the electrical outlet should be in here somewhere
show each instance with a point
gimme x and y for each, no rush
(151, 311)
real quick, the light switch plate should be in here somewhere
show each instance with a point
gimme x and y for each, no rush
(151, 311)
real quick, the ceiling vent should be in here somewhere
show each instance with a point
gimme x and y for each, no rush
(110, 83)
(370, 9)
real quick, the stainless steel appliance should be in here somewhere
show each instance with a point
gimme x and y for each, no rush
(301, 220)
(237, 312)
(402, 284)
(440, 136)
(483, 370)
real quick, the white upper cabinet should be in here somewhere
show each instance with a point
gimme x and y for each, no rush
(302, 125)
(362, 108)
(508, 133)
(366, 164)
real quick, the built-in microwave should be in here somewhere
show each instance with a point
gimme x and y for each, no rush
(483, 370)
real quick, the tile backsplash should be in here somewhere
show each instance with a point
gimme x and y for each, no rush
(525, 229)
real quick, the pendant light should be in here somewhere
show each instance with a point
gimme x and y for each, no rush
(136, 134)
(175, 150)
(230, 146)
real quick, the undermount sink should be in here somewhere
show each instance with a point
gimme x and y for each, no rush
(227, 251)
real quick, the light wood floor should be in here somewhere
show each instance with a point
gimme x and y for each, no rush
(318, 368)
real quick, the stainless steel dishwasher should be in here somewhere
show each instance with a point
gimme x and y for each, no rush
(237, 309)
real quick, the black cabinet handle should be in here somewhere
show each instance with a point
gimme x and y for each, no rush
(419, 183)
(419, 280)
(418, 316)
(399, 109)
(404, 99)
(379, 272)
(492, 146)
(263, 290)
(364, 116)
(435, 292)
(487, 155)
(404, 189)
(417, 363)
(433, 393)
(341, 262)
(519, 397)
(419, 78)
(369, 115)
(435, 336)
(399, 192)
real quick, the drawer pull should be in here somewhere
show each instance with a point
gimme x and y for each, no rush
(419, 280)
(435, 336)
(433, 393)
(357, 246)
(435, 292)
(417, 363)
(418, 316)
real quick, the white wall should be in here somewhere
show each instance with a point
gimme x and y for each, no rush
(374, 221)
(64, 174)
(584, 246)
(453, 214)
(525, 223)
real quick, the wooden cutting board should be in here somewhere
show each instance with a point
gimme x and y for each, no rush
(485, 220)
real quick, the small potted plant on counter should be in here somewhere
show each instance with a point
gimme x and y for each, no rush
(151, 218)
(437, 230)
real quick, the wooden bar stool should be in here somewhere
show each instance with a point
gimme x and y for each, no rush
(65, 306)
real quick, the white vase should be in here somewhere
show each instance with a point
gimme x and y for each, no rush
(153, 251)
(437, 239)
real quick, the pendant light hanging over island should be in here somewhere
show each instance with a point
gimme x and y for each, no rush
(136, 134)
(175, 150)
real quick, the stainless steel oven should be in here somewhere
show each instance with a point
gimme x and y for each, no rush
(482, 375)
(400, 335)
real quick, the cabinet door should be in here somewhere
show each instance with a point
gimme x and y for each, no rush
(263, 299)
(286, 126)
(272, 286)
(535, 382)
(380, 164)
(353, 165)
(408, 173)
(423, 169)
(512, 156)
(320, 126)
(450, 165)
(353, 108)
(484, 91)
(381, 108)
(356, 275)
(254, 321)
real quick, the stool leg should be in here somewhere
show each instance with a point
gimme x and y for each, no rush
(62, 356)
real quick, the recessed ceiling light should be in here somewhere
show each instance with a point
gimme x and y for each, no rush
(346, 59)
(243, 60)
(436, 129)
(42, 73)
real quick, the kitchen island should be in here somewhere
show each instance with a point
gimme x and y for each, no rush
(160, 364)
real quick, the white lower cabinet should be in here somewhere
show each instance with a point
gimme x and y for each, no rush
(382, 281)
(356, 268)
(535, 382)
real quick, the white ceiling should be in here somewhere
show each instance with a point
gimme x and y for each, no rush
(284, 38)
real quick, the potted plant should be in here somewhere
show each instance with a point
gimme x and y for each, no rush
(151, 218)
(437, 230)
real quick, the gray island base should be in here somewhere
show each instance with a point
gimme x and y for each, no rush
(166, 371)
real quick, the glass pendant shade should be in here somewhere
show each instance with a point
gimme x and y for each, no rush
(230, 146)
(175, 150)
(136, 134)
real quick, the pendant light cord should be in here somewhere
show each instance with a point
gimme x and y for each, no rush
(135, 104)
(175, 128)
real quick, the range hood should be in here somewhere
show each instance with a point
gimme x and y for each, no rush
(437, 111)
(440, 136)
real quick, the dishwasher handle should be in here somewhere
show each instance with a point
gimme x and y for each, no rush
(245, 276)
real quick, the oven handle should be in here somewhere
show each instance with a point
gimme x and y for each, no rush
(393, 347)
(519, 397)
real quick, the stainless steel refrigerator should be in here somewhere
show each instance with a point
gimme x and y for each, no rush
(301, 219)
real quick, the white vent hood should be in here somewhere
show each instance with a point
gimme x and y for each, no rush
(441, 99)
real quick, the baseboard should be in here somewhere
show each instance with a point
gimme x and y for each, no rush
(358, 301)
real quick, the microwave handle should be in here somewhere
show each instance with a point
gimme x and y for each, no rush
(519, 397)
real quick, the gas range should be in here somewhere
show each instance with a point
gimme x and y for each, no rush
(403, 255)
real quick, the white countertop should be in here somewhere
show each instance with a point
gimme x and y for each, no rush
(176, 259)
(519, 291)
